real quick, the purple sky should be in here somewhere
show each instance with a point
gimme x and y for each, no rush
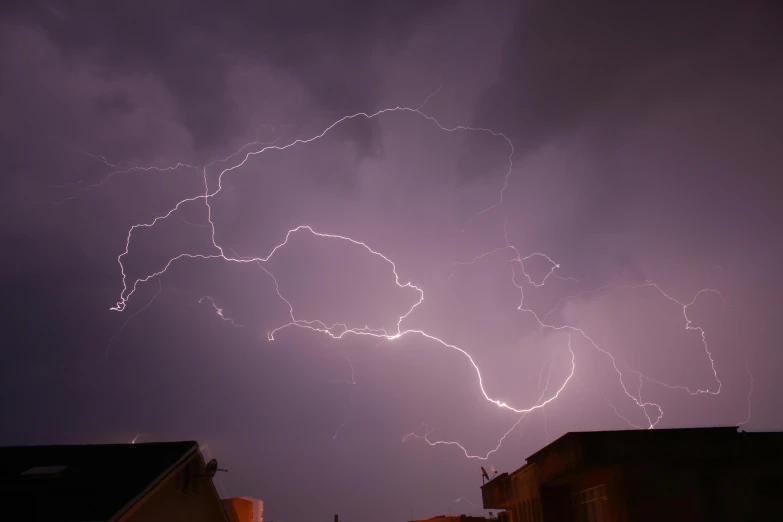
(646, 147)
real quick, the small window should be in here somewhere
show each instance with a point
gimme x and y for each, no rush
(530, 510)
(43, 471)
(590, 504)
(189, 480)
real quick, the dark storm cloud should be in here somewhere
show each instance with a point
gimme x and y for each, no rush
(335, 49)
(569, 62)
(605, 66)
(595, 73)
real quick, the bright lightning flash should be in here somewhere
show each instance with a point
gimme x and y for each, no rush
(519, 277)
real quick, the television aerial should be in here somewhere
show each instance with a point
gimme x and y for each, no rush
(484, 475)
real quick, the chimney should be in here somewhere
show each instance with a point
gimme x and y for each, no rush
(336, 518)
(258, 508)
(238, 509)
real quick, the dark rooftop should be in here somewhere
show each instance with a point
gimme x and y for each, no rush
(85, 483)
(648, 436)
(712, 442)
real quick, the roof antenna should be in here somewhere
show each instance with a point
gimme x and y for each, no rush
(484, 476)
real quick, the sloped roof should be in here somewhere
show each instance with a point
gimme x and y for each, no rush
(82, 483)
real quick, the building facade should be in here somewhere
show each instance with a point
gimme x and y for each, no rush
(453, 518)
(701, 474)
(165, 481)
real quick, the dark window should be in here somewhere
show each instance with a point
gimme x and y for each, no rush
(44, 471)
(590, 505)
(530, 511)
(189, 479)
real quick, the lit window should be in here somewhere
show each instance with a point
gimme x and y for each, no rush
(43, 471)
(590, 504)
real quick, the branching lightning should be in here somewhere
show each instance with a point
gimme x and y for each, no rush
(541, 393)
(463, 499)
(218, 311)
(134, 314)
(420, 107)
(117, 170)
(750, 393)
(540, 405)
(350, 396)
(353, 373)
(519, 277)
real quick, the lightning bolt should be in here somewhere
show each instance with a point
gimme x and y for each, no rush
(463, 499)
(137, 312)
(350, 396)
(81, 187)
(541, 393)
(623, 417)
(518, 277)
(750, 393)
(420, 107)
(353, 373)
(539, 405)
(218, 311)
(117, 170)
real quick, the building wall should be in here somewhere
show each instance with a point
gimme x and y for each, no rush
(178, 498)
(526, 505)
(452, 518)
(693, 492)
(610, 481)
(687, 475)
(527, 499)
(560, 457)
(497, 494)
(657, 492)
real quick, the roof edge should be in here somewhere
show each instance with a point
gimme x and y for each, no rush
(124, 510)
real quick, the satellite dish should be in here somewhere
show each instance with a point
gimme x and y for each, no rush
(212, 467)
(484, 475)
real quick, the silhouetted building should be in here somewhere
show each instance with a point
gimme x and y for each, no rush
(164, 481)
(453, 518)
(698, 474)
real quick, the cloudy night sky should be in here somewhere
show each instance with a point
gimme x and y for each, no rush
(558, 179)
